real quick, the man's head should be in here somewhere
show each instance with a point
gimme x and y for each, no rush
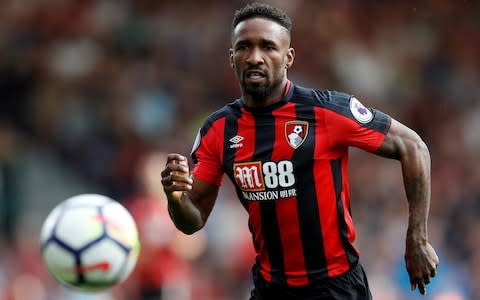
(261, 53)
(261, 10)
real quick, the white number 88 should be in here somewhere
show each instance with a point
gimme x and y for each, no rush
(280, 173)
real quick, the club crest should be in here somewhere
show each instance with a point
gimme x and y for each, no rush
(296, 132)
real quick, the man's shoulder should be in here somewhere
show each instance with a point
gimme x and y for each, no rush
(320, 97)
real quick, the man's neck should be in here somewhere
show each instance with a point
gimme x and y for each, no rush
(276, 95)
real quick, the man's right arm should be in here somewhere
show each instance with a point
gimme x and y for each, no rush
(190, 200)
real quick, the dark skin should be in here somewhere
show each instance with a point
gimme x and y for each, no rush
(260, 57)
(260, 62)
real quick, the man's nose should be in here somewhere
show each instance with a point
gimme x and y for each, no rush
(255, 57)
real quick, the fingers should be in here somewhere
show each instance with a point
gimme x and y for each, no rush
(175, 162)
(422, 289)
(177, 181)
(420, 284)
(175, 168)
(176, 175)
(420, 281)
(421, 263)
(426, 279)
(175, 156)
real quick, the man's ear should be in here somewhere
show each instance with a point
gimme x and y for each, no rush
(230, 53)
(290, 58)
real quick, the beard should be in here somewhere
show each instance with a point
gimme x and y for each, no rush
(259, 92)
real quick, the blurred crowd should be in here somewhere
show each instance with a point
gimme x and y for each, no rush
(94, 92)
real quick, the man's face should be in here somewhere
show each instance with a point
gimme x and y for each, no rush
(260, 56)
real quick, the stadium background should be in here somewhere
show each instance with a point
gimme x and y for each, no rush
(90, 90)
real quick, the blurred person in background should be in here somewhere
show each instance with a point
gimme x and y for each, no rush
(285, 147)
(10, 205)
(163, 270)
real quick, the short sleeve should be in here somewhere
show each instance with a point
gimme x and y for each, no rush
(207, 154)
(357, 125)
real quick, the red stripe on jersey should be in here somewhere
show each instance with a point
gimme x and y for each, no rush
(286, 209)
(345, 131)
(335, 255)
(337, 262)
(346, 204)
(294, 263)
(259, 241)
(210, 153)
(246, 129)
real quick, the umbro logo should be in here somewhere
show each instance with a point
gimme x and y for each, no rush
(236, 141)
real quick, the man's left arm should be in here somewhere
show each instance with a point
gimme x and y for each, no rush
(404, 144)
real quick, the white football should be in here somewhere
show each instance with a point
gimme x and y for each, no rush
(90, 242)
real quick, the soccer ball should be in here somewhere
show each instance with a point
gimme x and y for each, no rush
(89, 242)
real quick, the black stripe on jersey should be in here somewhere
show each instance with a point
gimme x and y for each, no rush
(308, 210)
(231, 130)
(264, 142)
(336, 166)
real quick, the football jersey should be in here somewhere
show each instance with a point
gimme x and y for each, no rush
(288, 162)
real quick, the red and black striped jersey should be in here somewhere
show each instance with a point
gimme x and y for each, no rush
(288, 163)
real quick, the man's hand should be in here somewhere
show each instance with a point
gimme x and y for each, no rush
(190, 200)
(176, 177)
(421, 262)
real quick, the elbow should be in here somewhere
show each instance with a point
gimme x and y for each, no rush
(421, 147)
(189, 230)
(187, 223)
(193, 224)
(404, 144)
(188, 227)
(415, 147)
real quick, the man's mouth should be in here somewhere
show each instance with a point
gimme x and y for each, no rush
(254, 75)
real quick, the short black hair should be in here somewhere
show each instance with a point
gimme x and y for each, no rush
(262, 10)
